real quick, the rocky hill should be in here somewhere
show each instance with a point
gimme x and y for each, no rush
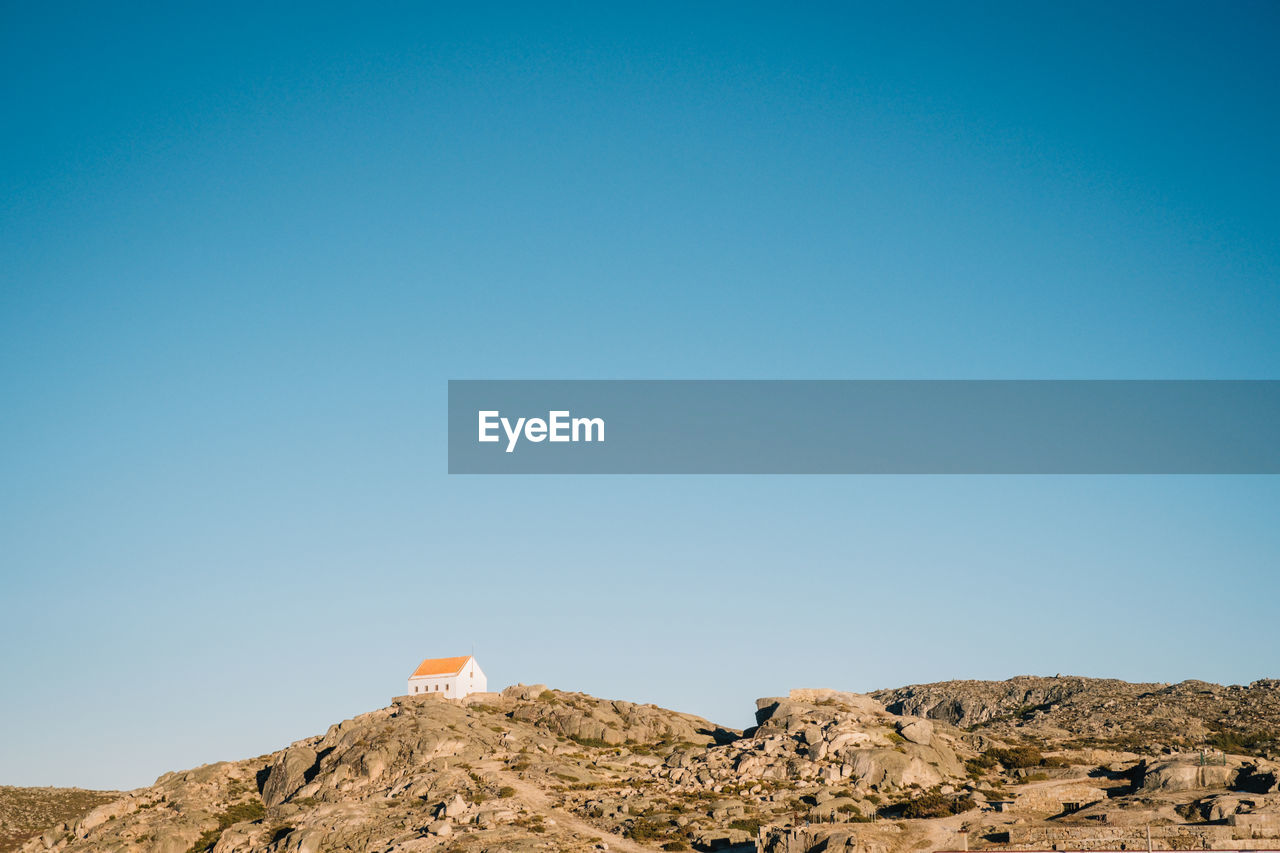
(26, 811)
(1023, 764)
(1104, 712)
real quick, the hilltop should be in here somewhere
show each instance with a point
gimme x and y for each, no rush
(1102, 712)
(1024, 763)
(26, 811)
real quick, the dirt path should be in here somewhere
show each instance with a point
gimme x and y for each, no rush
(541, 804)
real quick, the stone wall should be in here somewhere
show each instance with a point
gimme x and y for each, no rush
(1256, 825)
(882, 838)
(1182, 837)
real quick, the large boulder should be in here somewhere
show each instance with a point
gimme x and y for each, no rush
(301, 841)
(106, 812)
(1171, 776)
(1261, 777)
(1220, 808)
(917, 731)
(857, 705)
(288, 774)
(523, 692)
(889, 767)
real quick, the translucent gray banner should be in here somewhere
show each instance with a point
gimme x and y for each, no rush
(863, 427)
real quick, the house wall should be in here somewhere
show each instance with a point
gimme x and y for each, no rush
(474, 680)
(443, 685)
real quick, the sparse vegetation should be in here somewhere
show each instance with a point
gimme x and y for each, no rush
(669, 782)
(27, 811)
(646, 829)
(1016, 758)
(1243, 743)
(936, 804)
(533, 823)
(979, 766)
(252, 810)
(852, 814)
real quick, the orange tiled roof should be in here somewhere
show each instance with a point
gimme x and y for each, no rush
(440, 666)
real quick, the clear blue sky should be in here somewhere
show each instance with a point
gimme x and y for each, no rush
(242, 248)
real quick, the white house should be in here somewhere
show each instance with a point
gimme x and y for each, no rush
(451, 678)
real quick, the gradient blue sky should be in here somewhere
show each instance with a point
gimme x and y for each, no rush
(242, 249)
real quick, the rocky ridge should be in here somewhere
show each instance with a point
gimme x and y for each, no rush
(1103, 712)
(1020, 764)
(25, 811)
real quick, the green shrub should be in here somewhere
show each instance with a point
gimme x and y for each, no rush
(1243, 743)
(852, 813)
(1017, 757)
(533, 823)
(253, 810)
(506, 792)
(934, 804)
(646, 829)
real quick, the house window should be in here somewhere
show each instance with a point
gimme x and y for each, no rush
(415, 688)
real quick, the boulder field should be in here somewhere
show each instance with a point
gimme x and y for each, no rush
(1024, 764)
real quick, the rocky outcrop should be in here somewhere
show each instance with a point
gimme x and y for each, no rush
(531, 769)
(1100, 711)
(523, 692)
(1181, 775)
(970, 703)
(916, 731)
(590, 720)
(288, 774)
(1259, 777)
(29, 811)
(825, 736)
(413, 776)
